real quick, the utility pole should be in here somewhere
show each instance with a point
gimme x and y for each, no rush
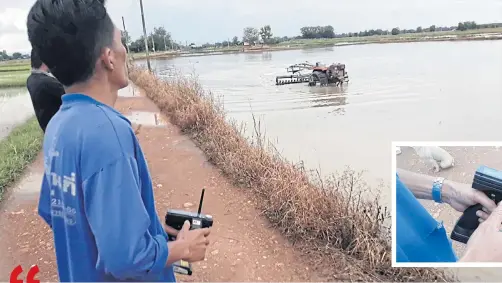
(145, 36)
(153, 43)
(126, 35)
(126, 43)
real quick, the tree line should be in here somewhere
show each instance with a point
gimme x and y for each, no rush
(4, 56)
(161, 40)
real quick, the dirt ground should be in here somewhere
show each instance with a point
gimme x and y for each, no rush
(467, 160)
(243, 246)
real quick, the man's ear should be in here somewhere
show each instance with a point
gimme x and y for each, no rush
(107, 59)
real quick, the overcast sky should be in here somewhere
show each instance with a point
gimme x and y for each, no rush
(202, 21)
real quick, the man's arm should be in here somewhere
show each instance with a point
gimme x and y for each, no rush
(44, 203)
(421, 185)
(120, 222)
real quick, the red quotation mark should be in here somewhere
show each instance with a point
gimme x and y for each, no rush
(30, 277)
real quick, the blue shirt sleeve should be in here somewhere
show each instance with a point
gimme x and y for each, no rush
(419, 237)
(119, 222)
(44, 203)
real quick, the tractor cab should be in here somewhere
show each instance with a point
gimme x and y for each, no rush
(320, 68)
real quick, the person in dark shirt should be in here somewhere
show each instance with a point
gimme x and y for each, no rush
(45, 91)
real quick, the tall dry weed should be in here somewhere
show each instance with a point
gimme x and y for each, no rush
(327, 218)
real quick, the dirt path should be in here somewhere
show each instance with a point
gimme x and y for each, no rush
(467, 160)
(243, 246)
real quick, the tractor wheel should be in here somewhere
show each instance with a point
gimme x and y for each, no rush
(321, 77)
(313, 80)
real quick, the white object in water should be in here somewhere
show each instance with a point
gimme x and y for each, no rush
(398, 150)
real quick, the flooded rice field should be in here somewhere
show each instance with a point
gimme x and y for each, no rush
(417, 91)
(15, 108)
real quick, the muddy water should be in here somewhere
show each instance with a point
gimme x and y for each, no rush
(15, 108)
(416, 91)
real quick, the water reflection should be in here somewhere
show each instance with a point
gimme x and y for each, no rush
(10, 92)
(15, 108)
(253, 56)
(266, 56)
(316, 50)
(330, 96)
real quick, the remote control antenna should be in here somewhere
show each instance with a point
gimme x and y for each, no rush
(201, 200)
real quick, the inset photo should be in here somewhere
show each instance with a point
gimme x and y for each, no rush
(444, 204)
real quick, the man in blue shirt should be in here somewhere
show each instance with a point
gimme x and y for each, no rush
(97, 193)
(420, 238)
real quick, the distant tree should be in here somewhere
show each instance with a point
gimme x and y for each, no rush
(432, 28)
(276, 40)
(419, 29)
(470, 25)
(16, 55)
(395, 31)
(138, 45)
(327, 32)
(266, 33)
(250, 35)
(307, 32)
(235, 40)
(461, 27)
(161, 38)
(318, 32)
(4, 56)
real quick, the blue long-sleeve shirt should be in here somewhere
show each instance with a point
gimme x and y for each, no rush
(419, 237)
(97, 196)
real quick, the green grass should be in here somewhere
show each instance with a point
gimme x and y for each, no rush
(14, 73)
(13, 79)
(14, 68)
(17, 151)
(15, 62)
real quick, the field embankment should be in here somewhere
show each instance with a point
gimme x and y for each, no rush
(14, 73)
(325, 218)
(477, 34)
(17, 151)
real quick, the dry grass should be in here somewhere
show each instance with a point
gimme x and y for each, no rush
(326, 218)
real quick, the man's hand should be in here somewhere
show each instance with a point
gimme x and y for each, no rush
(170, 230)
(460, 196)
(484, 243)
(197, 239)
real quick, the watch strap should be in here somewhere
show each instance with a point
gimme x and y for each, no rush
(437, 188)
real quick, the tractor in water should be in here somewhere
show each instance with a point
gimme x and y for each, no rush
(334, 74)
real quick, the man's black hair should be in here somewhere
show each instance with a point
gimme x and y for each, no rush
(36, 63)
(69, 35)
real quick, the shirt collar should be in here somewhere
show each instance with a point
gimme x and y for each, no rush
(70, 99)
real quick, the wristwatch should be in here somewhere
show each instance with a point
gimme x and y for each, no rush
(437, 187)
